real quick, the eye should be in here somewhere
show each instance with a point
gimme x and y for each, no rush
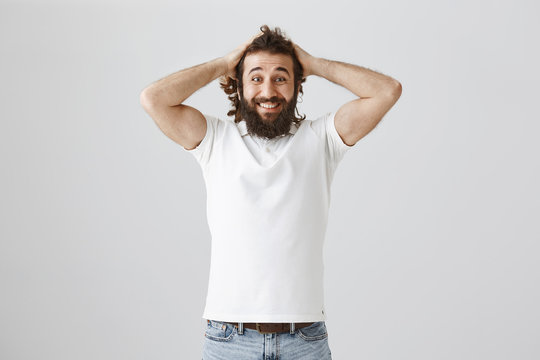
(256, 78)
(280, 79)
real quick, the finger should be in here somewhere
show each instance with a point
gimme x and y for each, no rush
(253, 38)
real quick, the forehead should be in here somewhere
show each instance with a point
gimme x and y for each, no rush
(267, 62)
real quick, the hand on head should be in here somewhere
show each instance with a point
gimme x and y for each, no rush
(305, 60)
(234, 56)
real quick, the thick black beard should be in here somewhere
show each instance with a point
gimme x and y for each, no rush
(267, 128)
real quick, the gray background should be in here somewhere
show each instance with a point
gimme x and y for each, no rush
(432, 246)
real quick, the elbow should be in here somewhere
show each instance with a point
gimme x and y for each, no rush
(146, 98)
(396, 89)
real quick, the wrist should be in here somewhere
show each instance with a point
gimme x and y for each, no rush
(319, 66)
(222, 66)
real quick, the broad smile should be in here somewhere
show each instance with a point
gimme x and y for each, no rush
(269, 105)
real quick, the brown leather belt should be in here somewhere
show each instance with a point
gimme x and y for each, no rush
(269, 328)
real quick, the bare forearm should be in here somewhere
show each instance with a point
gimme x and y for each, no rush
(177, 87)
(362, 82)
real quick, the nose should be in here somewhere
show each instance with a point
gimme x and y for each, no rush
(268, 89)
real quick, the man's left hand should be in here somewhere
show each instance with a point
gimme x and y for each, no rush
(306, 60)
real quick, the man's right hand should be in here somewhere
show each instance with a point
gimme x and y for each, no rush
(232, 58)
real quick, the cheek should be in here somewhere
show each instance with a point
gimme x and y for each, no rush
(288, 93)
(248, 92)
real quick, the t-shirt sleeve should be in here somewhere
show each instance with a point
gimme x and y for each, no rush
(203, 151)
(326, 129)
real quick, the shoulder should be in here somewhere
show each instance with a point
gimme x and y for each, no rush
(219, 125)
(319, 123)
(215, 129)
(323, 125)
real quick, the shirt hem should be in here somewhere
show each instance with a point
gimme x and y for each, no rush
(280, 318)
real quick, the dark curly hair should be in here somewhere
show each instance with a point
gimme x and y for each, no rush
(274, 42)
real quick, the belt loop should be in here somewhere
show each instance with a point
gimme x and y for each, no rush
(292, 329)
(241, 328)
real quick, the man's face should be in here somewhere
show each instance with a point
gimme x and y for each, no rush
(268, 99)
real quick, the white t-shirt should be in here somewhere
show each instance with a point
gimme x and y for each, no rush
(266, 151)
(267, 218)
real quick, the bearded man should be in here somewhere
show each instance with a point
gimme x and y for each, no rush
(268, 176)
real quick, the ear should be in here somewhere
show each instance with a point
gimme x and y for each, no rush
(299, 88)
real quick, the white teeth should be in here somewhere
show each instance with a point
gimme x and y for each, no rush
(268, 106)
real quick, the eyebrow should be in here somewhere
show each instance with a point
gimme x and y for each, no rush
(278, 69)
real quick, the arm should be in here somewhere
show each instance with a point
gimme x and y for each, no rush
(376, 93)
(163, 99)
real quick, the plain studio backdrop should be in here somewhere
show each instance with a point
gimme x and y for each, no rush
(432, 245)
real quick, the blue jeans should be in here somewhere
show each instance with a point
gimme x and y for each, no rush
(224, 341)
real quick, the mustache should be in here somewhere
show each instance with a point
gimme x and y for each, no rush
(273, 99)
